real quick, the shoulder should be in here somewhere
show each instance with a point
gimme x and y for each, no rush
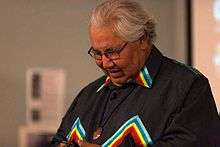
(180, 78)
(181, 72)
(95, 84)
(168, 69)
(92, 87)
(87, 94)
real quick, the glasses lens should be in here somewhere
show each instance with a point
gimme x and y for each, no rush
(112, 55)
(95, 54)
(97, 57)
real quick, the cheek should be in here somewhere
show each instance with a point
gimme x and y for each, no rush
(130, 64)
(98, 63)
(129, 60)
(124, 64)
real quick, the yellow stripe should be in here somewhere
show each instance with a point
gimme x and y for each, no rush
(143, 79)
(107, 78)
(78, 134)
(116, 139)
(139, 135)
(136, 129)
(71, 133)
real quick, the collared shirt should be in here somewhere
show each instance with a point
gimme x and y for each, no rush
(171, 109)
(143, 78)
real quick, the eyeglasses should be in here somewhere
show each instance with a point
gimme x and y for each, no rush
(111, 53)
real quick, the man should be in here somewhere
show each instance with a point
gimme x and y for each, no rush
(144, 98)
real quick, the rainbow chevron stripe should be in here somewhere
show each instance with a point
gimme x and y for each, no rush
(77, 132)
(107, 81)
(135, 128)
(143, 78)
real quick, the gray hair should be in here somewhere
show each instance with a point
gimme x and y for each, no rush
(126, 17)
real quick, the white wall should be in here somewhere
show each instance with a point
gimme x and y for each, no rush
(206, 43)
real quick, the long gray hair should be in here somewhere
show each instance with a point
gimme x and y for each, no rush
(126, 17)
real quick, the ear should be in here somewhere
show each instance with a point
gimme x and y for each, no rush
(144, 42)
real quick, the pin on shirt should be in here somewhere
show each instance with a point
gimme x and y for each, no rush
(97, 133)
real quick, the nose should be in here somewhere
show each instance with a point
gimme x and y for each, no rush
(106, 62)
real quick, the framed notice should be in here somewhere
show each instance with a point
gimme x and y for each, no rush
(45, 96)
(35, 136)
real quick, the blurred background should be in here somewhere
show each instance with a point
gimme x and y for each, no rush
(44, 61)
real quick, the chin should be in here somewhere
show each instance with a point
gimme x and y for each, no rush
(119, 81)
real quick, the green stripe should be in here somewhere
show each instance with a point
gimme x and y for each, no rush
(147, 77)
(140, 126)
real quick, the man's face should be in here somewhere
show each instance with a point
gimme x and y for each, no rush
(131, 59)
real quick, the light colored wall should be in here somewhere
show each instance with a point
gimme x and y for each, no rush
(53, 33)
(206, 43)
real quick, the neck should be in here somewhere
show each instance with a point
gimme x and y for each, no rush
(145, 56)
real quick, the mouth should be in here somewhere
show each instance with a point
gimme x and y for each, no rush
(114, 73)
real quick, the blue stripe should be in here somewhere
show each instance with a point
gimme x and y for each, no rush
(100, 87)
(143, 130)
(140, 126)
(147, 77)
(77, 124)
(121, 129)
(81, 130)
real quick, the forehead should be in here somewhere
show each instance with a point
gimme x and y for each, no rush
(103, 37)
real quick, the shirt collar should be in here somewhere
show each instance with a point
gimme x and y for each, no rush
(147, 74)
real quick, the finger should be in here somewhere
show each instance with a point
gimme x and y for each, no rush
(61, 145)
(79, 142)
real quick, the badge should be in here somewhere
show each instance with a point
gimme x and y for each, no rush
(97, 133)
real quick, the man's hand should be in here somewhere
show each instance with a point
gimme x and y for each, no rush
(86, 144)
(62, 145)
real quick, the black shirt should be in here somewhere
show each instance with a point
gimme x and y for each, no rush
(175, 106)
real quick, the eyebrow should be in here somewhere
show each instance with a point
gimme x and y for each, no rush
(107, 49)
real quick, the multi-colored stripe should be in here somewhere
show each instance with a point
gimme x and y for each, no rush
(77, 132)
(107, 81)
(143, 78)
(135, 128)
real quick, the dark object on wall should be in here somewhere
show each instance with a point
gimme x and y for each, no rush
(39, 140)
(36, 115)
(36, 86)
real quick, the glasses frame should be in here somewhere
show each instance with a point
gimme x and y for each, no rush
(115, 51)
